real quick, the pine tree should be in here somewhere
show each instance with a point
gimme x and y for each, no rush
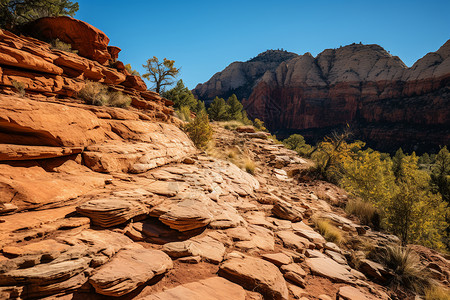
(18, 12)
(218, 110)
(199, 130)
(234, 108)
(181, 96)
(440, 174)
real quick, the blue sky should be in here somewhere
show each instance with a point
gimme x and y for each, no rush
(203, 37)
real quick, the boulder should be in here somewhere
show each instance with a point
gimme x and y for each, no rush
(186, 215)
(247, 129)
(89, 41)
(255, 274)
(128, 270)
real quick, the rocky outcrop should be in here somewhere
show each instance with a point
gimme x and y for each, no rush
(89, 41)
(386, 103)
(240, 77)
(43, 70)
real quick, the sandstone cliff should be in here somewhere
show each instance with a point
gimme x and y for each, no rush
(386, 103)
(240, 77)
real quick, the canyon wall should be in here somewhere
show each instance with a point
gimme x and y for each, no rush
(385, 103)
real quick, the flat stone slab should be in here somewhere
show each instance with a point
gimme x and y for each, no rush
(326, 267)
(128, 270)
(278, 259)
(206, 247)
(256, 274)
(215, 288)
(352, 293)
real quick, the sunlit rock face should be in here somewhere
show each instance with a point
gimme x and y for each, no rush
(384, 102)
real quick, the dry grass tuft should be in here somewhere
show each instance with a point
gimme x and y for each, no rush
(407, 269)
(330, 232)
(250, 166)
(19, 86)
(437, 293)
(96, 93)
(365, 211)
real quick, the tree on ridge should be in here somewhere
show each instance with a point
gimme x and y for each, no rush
(160, 73)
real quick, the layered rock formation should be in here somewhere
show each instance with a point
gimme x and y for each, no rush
(386, 103)
(46, 71)
(240, 77)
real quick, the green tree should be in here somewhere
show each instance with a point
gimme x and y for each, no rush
(181, 96)
(234, 108)
(160, 73)
(369, 177)
(440, 174)
(218, 110)
(297, 143)
(397, 163)
(200, 106)
(14, 13)
(199, 130)
(414, 213)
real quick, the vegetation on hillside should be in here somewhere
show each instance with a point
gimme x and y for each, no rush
(96, 93)
(14, 13)
(406, 195)
(199, 130)
(231, 109)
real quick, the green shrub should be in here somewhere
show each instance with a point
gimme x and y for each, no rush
(259, 125)
(297, 143)
(407, 269)
(96, 93)
(199, 130)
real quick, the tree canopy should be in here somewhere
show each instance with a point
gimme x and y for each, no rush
(160, 73)
(181, 96)
(17, 12)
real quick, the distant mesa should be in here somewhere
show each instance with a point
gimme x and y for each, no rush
(386, 103)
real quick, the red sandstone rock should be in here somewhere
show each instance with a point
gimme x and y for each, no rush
(88, 40)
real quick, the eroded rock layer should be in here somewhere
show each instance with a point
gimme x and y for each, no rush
(45, 72)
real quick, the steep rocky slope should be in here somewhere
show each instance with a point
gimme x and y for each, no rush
(387, 104)
(101, 202)
(240, 77)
